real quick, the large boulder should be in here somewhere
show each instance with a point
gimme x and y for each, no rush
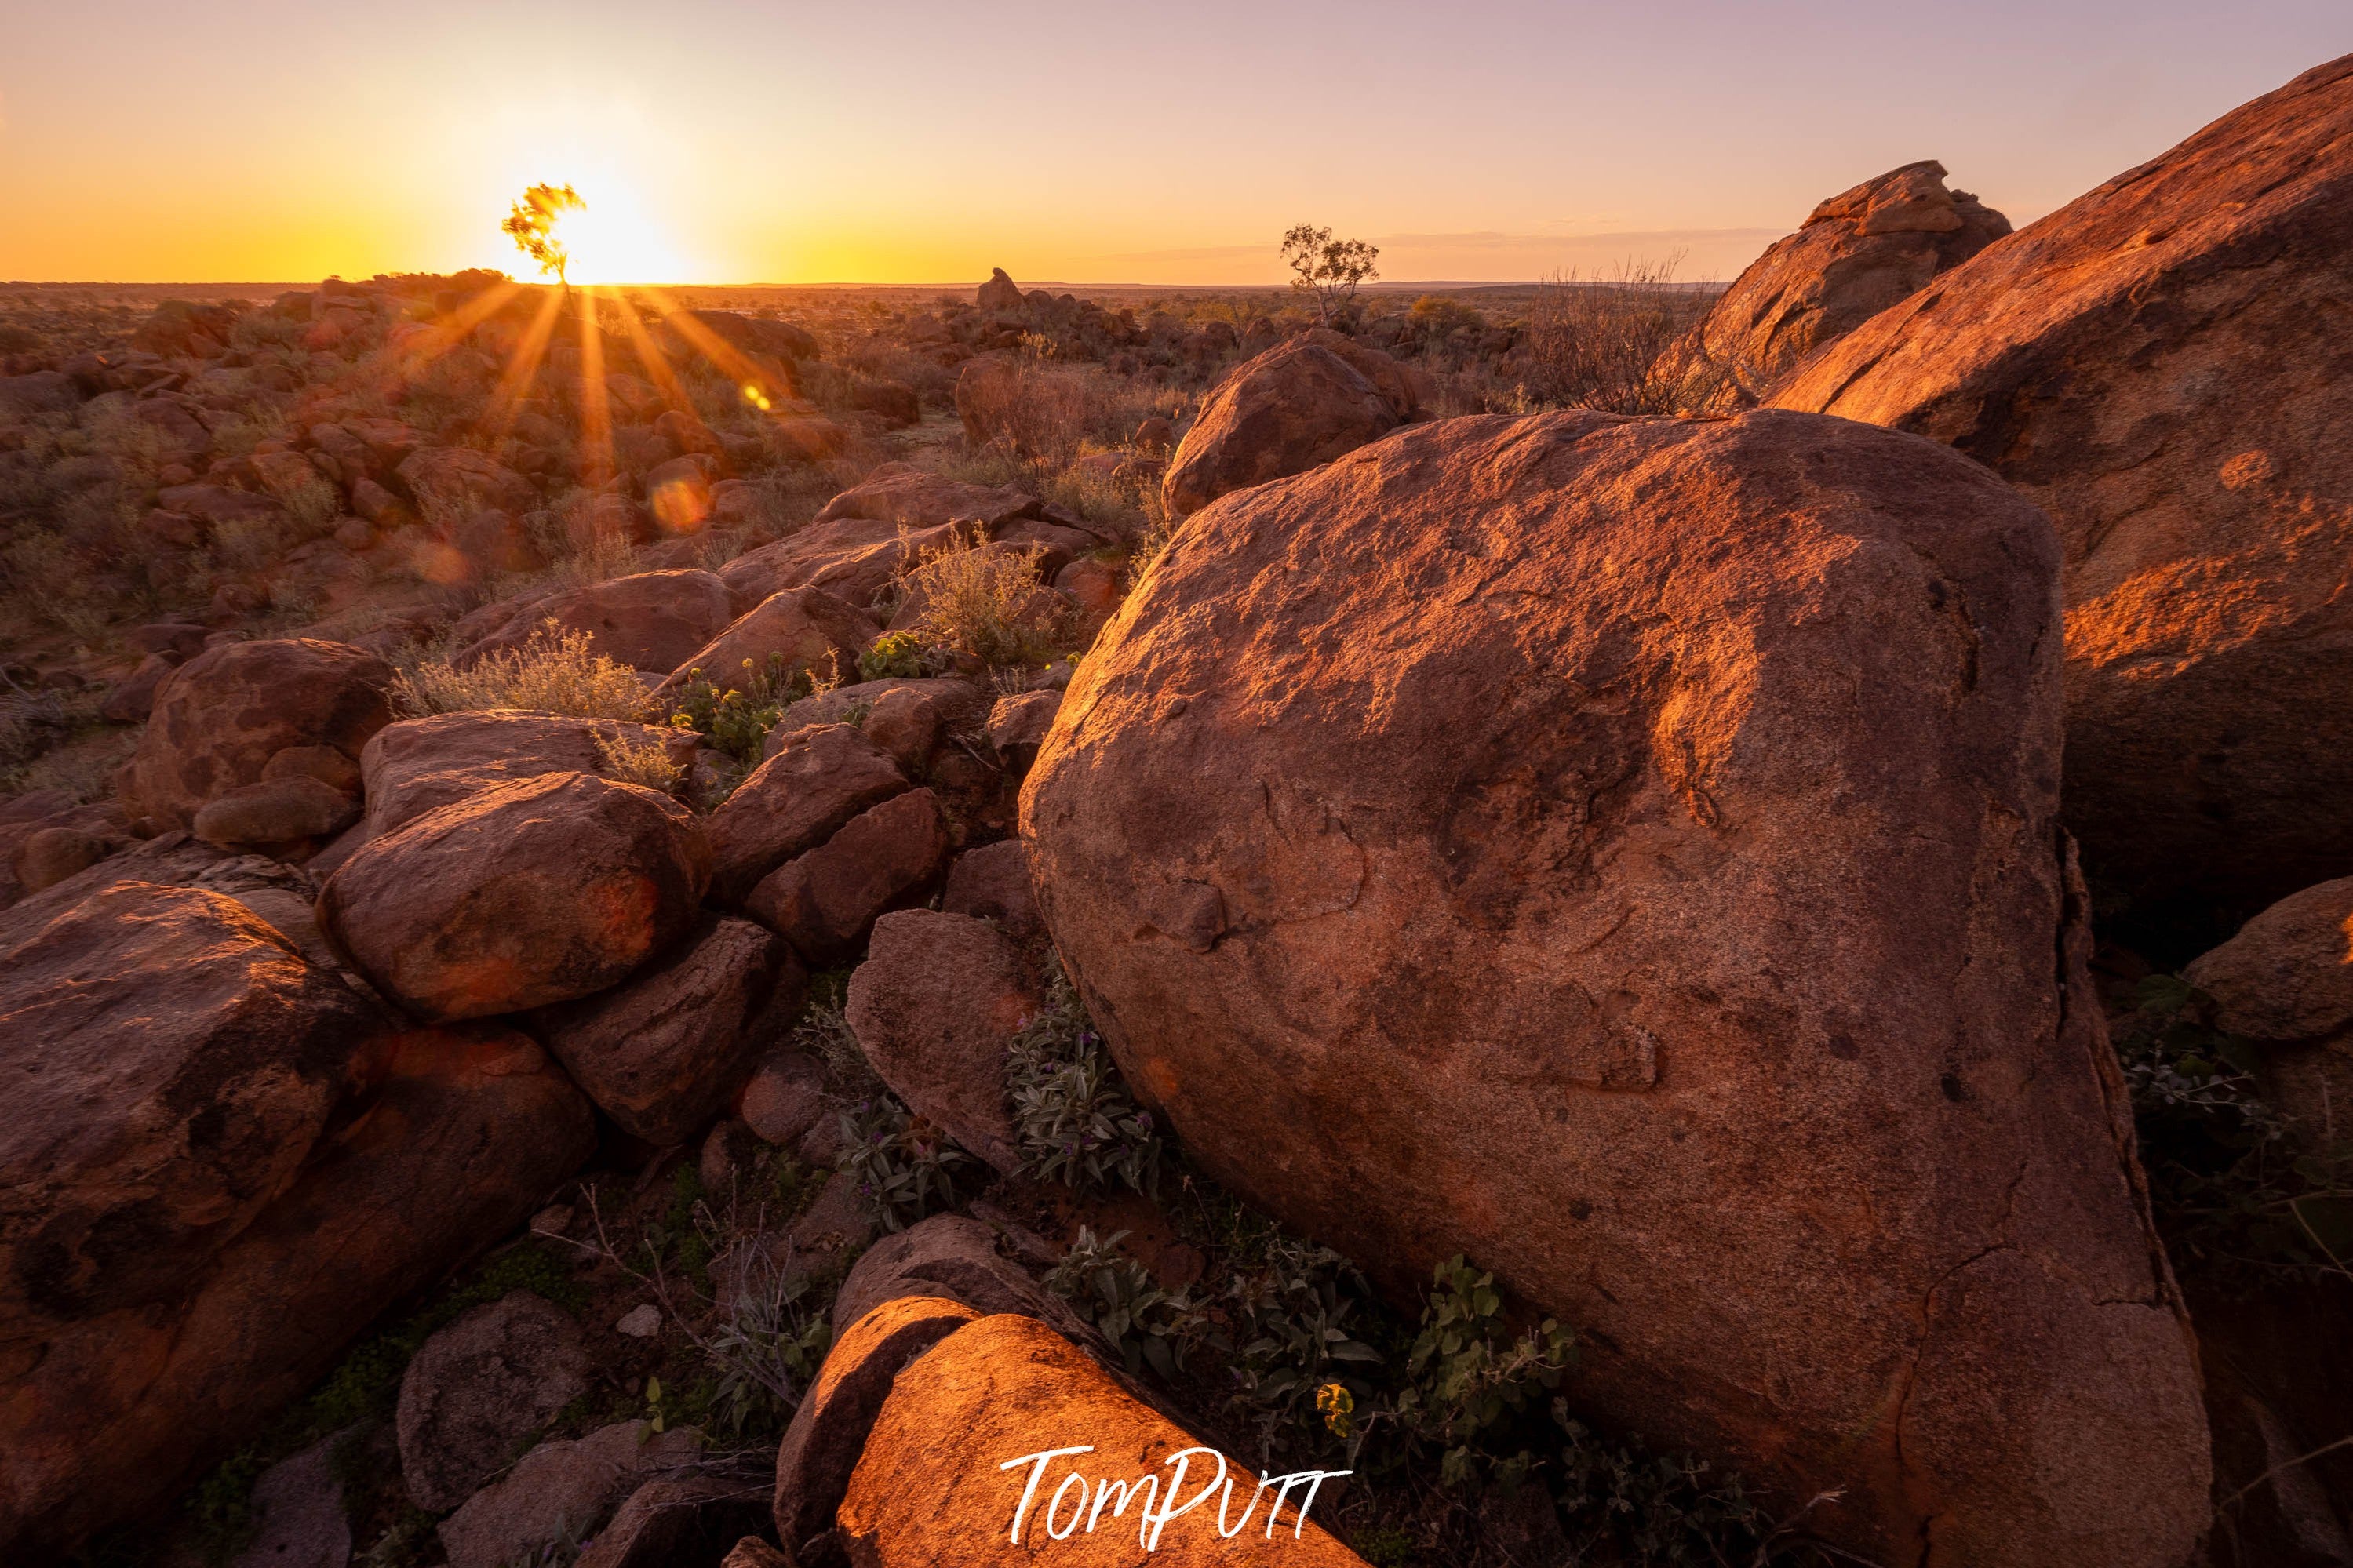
(534, 892)
(653, 621)
(199, 1118)
(808, 787)
(2161, 366)
(2286, 983)
(1858, 253)
(423, 764)
(855, 559)
(220, 718)
(497, 1374)
(1301, 403)
(934, 1005)
(1000, 292)
(661, 1055)
(562, 1493)
(1004, 1388)
(1446, 910)
(808, 627)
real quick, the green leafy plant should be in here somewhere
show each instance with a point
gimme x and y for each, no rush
(1468, 1374)
(1151, 1327)
(736, 719)
(1297, 1361)
(1654, 1508)
(771, 1344)
(905, 1168)
(897, 656)
(1077, 1122)
(2237, 1196)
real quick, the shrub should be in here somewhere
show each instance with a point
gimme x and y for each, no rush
(986, 603)
(1606, 344)
(637, 762)
(1653, 1508)
(1043, 410)
(1075, 1120)
(554, 671)
(895, 656)
(2237, 1196)
(1294, 1346)
(905, 1168)
(1151, 1327)
(1467, 1373)
(736, 719)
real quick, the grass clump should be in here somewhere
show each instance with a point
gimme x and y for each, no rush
(983, 602)
(554, 671)
(639, 761)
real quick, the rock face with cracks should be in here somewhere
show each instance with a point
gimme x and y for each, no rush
(2164, 367)
(1627, 852)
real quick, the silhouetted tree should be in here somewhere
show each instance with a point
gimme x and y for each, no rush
(1328, 268)
(532, 226)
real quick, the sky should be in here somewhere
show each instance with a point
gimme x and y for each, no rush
(927, 141)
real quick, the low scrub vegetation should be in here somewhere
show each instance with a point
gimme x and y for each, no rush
(554, 671)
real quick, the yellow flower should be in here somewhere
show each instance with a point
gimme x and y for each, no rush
(1338, 1407)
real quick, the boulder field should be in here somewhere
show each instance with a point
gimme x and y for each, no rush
(1628, 852)
(2162, 366)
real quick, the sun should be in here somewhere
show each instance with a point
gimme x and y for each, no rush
(612, 239)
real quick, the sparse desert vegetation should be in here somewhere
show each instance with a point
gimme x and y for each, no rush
(626, 914)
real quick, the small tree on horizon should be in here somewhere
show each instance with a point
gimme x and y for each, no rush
(532, 226)
(1326, 268)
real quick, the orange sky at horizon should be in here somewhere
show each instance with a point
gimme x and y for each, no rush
(925, 144)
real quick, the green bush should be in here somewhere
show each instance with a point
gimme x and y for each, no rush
(1293, 1340)
(1077, 1122)
(905, 1168)
(896, 656)
(1151, 1327)
(736, 719)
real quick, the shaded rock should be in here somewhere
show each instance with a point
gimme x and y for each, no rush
(933, 1006)
(499, 1373)
(2157, 365)
(753, 1552)
(1009, 1385)
(828, 1431)
(661, 1054)
(276, 811)
(809, 628)
(907, 724)
(450, 483)
(562, 1492)
(811, 784)
(953, 1257)
(225, 713)
(730, 1150)
(50, 855)
(324, 764)
(2286, 983)
(213, 505)
(1018, 724)
(680, 1521)
(824, 901)
(779, 339)
(134, 697)
(902, 493)
(840, 1221)
(519, 896)
(855, 559)
(1443, 913)
(653, 621)
(1858, 253)
(423, 764)
(957, 703)
(992, 883)
(1000, 292)
(298, 1514)
(494, 543)
(39, 392)
(783, 1096)
(164, 1297)
(1301, 403)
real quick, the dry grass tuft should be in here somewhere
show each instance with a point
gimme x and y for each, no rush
(1606, 344)
(983, 602)
(638, 762)
(554, 672)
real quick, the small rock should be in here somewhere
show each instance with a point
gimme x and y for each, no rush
(816, 782)
(560, 1491)
(298, 1509)
(730, 1148)
(1017, 725)
(933, 1006)
(992, 882)
(640, 1322)
(498, 1372)
(784, 1098)
(276, 811)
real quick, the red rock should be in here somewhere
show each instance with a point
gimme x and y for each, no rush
(676, 1520)
(992, 882)
(517, 897)
(453, 482)
(1009, 1386)
(812, 783)
(1000, 292)
(499, 1373)
(828, 1431)
(652, 621)
(1441, 911)
(687, 434)
(213, 505)
(934, 1005)
(905, 494)
(225, 713)
(812, 629)
(955, 1257)
(1858, 253)
(2157, 365)
(560, 1492)
(132, 700)
(955, 702)
(783, 1096)
(907, 724)
(48, 855)
(494, 543)
(1301, 403)
(204, 1118)
(1019, 723)
(661, 1054)
(2284, 982)
(276, 811)
(824, 901)
(422, 764)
